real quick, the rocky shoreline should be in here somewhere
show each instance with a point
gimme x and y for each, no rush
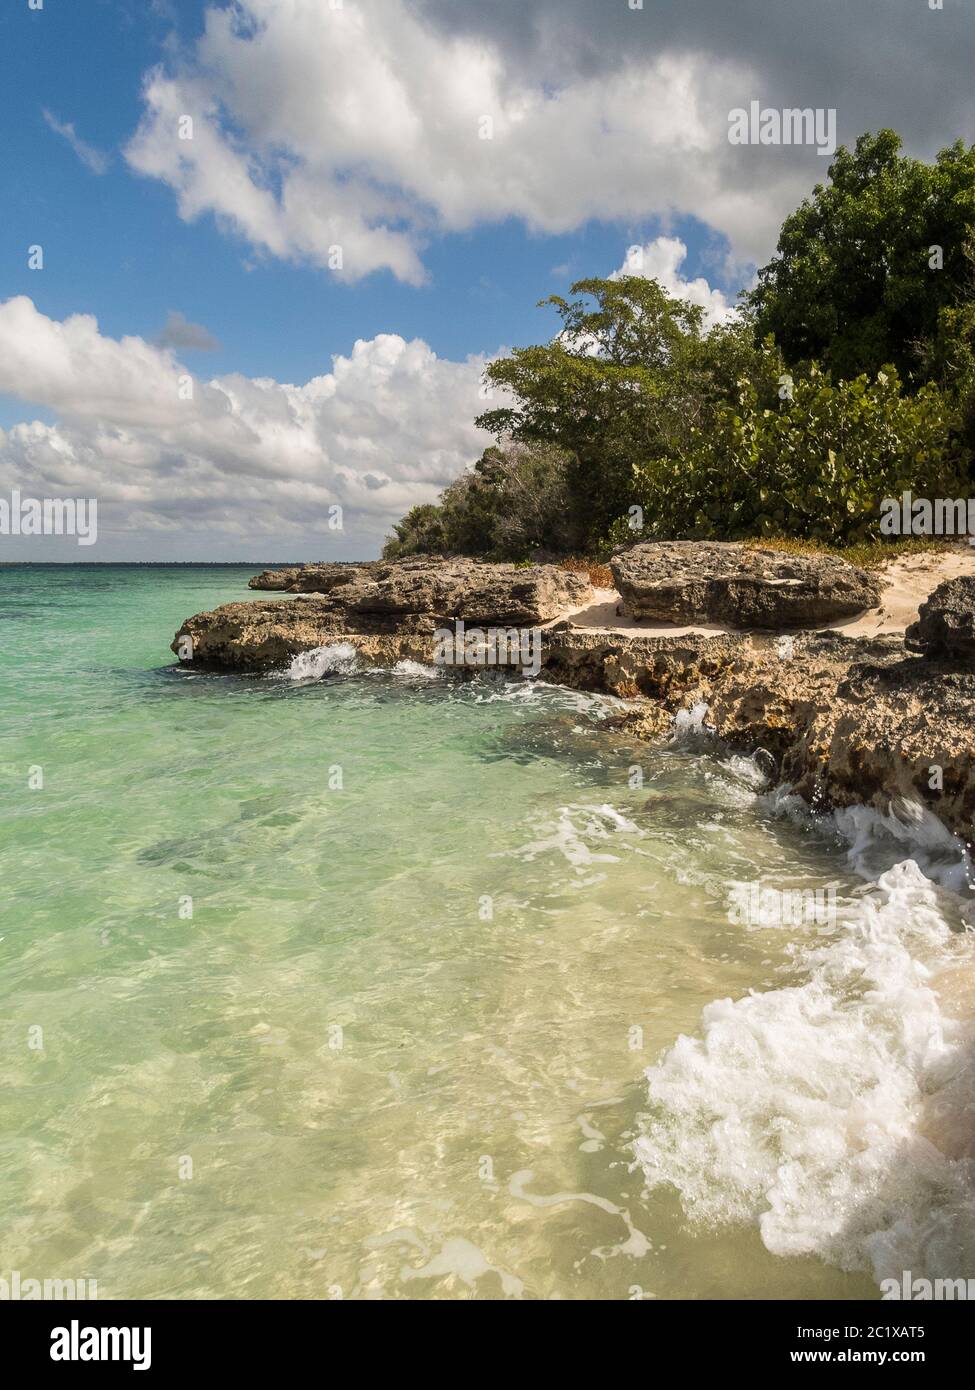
(883, 721)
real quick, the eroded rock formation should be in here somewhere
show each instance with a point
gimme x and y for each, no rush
(403, 602)
(688, 582)
(473, 590)
(945, 627)
(843, 720)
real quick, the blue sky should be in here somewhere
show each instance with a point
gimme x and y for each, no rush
(116, 247)
(450, 243)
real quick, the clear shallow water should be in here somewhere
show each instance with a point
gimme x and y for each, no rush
(381, 1084)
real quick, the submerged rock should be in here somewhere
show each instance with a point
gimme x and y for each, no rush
(734, 585)
(945, 626)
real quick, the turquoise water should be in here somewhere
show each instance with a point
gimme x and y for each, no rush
(346, 988)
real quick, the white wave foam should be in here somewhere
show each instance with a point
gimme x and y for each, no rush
(876, 840)
(835, 1113)
(490, 688)
(337, 658)
(573, 834)
(691, 726)
(417, 671)
(941, 855)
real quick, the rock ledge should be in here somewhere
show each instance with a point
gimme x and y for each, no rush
(739, 586)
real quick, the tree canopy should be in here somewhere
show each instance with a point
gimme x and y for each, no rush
(866, 265)
(630, 375)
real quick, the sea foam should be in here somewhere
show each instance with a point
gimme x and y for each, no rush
(835, 1113)
(337, 658)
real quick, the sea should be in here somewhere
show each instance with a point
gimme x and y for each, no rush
(336, 983)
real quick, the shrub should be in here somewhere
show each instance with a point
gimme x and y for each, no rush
(815, 466)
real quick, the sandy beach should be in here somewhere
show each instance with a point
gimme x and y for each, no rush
(909, 579)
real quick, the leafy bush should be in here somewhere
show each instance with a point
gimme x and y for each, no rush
(815, 466)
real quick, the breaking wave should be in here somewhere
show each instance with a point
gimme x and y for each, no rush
(335, 659)
(836, 1113)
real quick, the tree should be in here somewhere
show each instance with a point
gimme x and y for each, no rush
(421, 532)
(867, 264)
(628, 377)
(514, 502)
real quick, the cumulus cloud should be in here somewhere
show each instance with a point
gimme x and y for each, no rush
(95, 160)
(661, 260)
(179, 332)
(359, 130)
(367, 129)
(871, 60)
(233, 458)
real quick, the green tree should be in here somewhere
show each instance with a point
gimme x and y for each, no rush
(513, 503)
(628, 378)
(421, 532)
(856, 281)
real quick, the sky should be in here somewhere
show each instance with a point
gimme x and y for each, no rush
(255, 256)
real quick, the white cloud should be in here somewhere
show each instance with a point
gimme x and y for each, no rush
(661, 260)
(359, 127)
(245, 458)
(95, 160)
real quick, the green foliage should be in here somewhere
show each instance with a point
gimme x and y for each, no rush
(421, 532)
(630, 376)
(516, 501)
(852, 284)
(950, 361)
(815, 466)
(634, 404)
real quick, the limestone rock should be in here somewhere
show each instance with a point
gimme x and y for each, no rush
(945, 627)
(265, 636)
(325, 579)
(273, 579)
(407, 598)
(474, 590)
(733, 585)
(320, 578)
(841, 720)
